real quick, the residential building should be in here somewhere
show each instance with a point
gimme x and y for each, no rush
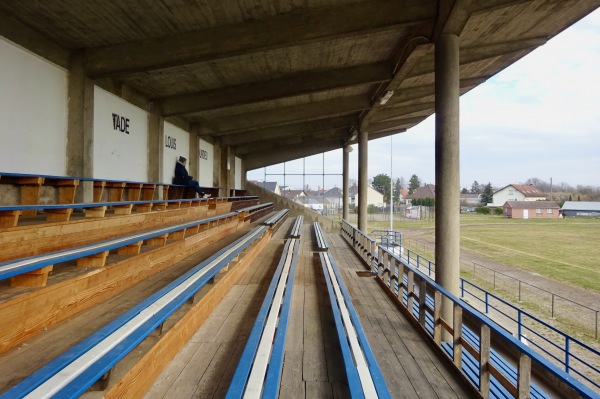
(426, 191)
(517, 192)
(581, 209)
(272, 186)
(374, 197)
(531, 209)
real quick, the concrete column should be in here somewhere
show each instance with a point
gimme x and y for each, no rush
(224, 181)
(156, 145)
(447, 167)
(363, 178)
(345, 181)
(194, 162)
(80, 129)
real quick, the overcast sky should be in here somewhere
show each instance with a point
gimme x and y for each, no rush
(540, 117)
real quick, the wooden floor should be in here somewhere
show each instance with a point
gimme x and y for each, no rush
(205, 366)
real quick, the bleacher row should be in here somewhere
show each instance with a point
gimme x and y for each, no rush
(259, 370)
(62, 266)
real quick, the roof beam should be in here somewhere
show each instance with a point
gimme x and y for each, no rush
(281, 132)
(271, 157)
(281, 116)
(33, 41)
(469, 55)
(418, 92)
(403, 112)
(395, 125)
(313, 137)
(300, 84)
(276, 32)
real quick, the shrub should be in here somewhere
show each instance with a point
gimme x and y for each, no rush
(484, 210)
(499, 211)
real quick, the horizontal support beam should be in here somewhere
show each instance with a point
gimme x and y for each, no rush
(470, 55)
(33, 41)
(300, 84)
(281, 132)
(333, 134)
(403, 112)
(395, 125)
(281, 116)
(247, 37)
(418, 92)
(273, 157)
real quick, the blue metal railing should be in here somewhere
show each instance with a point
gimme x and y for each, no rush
(388, 265)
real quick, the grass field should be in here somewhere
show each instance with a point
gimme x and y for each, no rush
(562, 249)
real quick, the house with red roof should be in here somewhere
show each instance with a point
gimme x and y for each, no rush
(517, 192)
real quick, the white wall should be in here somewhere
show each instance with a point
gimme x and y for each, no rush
(33, 113)
(238, 173)
(120, 152)
(206, 155)
(176, 143)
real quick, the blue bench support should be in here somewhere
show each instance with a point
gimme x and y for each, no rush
(365, 379)
(322, 244)
(29, 264)
(259, 369)
(73, 372)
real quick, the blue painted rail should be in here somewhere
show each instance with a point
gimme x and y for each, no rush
(365, 379)
(259, 370)
(322, 244)
(20, 266)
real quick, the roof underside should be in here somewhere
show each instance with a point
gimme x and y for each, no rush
(278, 80)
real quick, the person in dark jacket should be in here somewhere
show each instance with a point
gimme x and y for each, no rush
(182, 177)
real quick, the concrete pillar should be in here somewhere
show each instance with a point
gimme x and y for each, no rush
(363, 178)
(225, 182)
(345, 181)
(447, 167)
(80, 129)
(194, 162)
(156, 145)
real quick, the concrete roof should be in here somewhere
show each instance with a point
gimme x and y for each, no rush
(581, 206)
(280, 80)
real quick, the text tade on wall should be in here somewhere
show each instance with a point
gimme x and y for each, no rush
(120, 123)
(171, 142)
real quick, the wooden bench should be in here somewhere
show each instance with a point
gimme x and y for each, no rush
(297, 227)
(33, 271)
(76, 370)
(362, 371)
(261, 363)
(322, 244)
(252, 213)
(178, 191)
(9, 215)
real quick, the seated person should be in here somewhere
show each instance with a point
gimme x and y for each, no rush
(182, 177)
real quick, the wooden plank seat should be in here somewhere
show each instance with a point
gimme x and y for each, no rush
(365, 379)
(86, 253)
(255, 212)
(259, 368)
(322, 244)
(296, 231)
(9, 215)
(76, 370)
(178, 191)
(238, 203)
(276, 219)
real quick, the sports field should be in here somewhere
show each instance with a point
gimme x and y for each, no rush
(562, 249)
